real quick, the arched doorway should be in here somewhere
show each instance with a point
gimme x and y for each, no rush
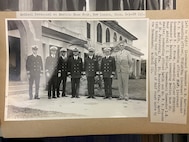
(14, 52)
(14, 58)
(16, 41)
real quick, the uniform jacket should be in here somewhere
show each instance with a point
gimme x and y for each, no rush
(51, 66)
(62, 66)
(123, 61)
(91, 66)
(34, 64)
(75, 67)
(108, 66)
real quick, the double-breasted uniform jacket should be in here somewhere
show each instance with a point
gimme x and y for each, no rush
(75, 67)
(91, 66)
(63, 66)
(34, 65)
(51, 66)
(108, 66)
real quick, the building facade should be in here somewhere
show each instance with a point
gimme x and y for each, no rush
(22, 34)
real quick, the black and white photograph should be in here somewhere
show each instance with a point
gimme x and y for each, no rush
(120, 5)
(43, 5)
(86, 5)
(73, 69)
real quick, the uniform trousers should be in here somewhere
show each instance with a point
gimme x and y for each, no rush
(108, 87)
(62, 80)
(123, 80)
(34, 77)
(75, 82)
(90, 85)
(52, 86)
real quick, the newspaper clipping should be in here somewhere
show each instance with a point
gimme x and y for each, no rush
(169, 71)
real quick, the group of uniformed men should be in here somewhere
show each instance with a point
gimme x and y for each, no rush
(57, 70)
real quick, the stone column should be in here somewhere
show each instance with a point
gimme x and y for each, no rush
(134, 67)
(31, 34)
(138, 69)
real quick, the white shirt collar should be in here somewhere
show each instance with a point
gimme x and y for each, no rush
(35, 55)
(91, 56)
(63, 57)
(75, 57)
(107, 57)
(53, 56)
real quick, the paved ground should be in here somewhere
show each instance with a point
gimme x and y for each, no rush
(19, 107)
(73, 107)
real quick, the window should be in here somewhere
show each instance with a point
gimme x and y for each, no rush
(99, 33)
(107, 35)
(88, 30)
(115, 37)
(120, 38)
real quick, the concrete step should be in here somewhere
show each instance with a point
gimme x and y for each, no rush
(15, 88)
(16, 83)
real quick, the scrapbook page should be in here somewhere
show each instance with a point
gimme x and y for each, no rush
(84, 67)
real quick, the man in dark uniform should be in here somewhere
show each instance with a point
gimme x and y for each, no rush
(91, 68)
(51, 71)
(62, 71)
(34, 68)
(75, 66)
(108, 68)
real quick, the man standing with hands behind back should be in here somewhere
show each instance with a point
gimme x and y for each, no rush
(91, 68)
(34, 68)
(123, 65)
(51, 71)
(62, 71)
(75, 68)
(108, 71)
